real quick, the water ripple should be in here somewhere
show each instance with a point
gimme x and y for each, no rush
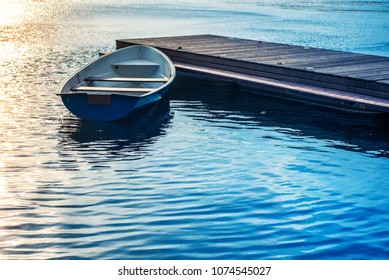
(211, 172)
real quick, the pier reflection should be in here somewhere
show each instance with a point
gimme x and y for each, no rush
(367, 133)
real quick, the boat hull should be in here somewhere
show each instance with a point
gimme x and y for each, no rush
(107, 107)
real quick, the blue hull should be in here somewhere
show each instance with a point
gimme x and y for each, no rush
(108, 107)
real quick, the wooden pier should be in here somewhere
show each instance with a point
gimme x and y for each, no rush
(349, 81)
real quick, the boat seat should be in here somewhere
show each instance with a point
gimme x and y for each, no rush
(136, 63)
(112, 89)
(120, 79)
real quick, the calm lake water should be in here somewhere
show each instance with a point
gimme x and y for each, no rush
(208, 173)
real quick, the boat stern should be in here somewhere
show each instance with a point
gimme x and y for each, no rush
(99, 107)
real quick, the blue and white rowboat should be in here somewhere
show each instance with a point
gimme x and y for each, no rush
(114, 85)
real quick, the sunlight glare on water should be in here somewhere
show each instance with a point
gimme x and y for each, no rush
(209, 173)
(11, 12)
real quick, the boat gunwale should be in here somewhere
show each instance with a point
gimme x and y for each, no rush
(165, 84)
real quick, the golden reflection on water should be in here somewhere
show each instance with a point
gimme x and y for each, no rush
(13, 28)
(11, 11)
(2, 180)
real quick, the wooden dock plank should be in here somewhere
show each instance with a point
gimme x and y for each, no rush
(354, 67)
(366, 75)
(190, 42)
(281, 54)
(206, 43)
(345, 99)
(275, 71)
(306, 59)
(305, 78)
(377, 75)
(329, 60)
(266, 49)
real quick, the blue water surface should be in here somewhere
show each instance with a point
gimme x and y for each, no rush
(211, 172)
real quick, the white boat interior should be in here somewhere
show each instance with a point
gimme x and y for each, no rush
(133, 71)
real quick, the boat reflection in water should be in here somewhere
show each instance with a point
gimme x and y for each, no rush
(141, 129)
